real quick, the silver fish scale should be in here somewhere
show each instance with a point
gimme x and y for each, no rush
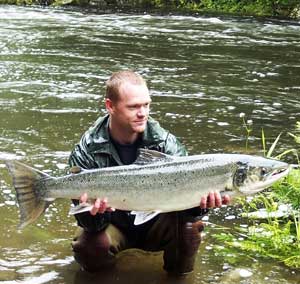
(165, 184)
(178, 184)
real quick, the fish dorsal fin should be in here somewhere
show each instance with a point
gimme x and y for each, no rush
(146, 156)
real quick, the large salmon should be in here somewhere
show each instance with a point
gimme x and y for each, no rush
(156, 182)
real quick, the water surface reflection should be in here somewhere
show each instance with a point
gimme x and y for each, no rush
(203, 72)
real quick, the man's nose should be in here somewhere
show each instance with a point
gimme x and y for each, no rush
(142, 111)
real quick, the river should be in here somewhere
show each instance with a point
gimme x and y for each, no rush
(204, 73)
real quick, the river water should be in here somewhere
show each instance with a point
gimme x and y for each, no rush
(203, 73)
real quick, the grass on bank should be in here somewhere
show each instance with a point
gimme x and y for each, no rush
(282, 8)
(275, 236)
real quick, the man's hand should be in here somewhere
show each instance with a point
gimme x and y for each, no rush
(214, 199)
(100, 205)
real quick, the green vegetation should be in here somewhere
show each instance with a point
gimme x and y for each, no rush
(286, 8)
(248, 127)
(277, 235)
(257, 7)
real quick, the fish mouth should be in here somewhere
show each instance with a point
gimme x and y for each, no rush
(281, 172)
(268, 181)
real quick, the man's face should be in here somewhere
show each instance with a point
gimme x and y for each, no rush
(131, 111)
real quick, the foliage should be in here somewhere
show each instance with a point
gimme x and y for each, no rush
(297, 135)
(274, 237)
(288, 191)
(253, 7)
(258, 7)
(243, 7)
(269, 154)
(275, 240)
(248, 127)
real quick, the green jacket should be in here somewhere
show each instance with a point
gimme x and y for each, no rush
(96, 150)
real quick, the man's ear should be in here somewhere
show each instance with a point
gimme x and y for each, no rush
(109, 106)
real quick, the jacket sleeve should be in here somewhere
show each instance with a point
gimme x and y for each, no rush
(80, 157)
(174, 147)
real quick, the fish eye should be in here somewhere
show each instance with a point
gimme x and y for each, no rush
(263, 171)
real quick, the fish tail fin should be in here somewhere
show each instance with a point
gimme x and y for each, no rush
(28, 191)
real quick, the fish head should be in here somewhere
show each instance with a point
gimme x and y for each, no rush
(253, 173)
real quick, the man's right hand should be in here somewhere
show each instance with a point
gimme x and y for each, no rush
(100, 205)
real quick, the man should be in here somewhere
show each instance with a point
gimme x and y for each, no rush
(114, 140)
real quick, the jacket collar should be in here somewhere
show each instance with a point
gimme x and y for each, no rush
(100, 141)
(153, 133)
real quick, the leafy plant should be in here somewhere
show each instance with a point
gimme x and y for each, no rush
(248, 127)
(269, 153)
(273, 237)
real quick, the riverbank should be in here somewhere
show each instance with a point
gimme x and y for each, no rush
(268, 8)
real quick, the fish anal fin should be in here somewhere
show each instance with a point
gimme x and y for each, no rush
(80, 208)
(143, 217)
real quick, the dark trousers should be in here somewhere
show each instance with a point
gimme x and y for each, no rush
(177, 234)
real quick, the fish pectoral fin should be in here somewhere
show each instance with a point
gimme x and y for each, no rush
(142, 217)
(80, 208)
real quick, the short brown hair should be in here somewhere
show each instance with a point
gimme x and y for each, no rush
(118, 78)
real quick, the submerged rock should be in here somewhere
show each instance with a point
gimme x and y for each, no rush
(236, 274)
